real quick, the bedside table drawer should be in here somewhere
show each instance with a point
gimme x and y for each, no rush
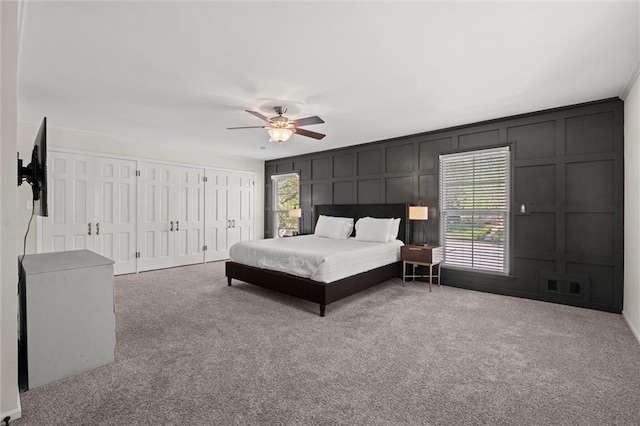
(422, 254)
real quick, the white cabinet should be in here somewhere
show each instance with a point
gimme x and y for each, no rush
(229, 211)
(170, 216)
(145, 215)
(67, 319)
(92, 206)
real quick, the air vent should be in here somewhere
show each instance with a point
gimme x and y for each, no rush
(574, 287)
(559, 284)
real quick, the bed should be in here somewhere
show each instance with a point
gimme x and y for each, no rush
(321, 292)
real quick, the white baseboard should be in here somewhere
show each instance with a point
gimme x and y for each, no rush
(14, 414)
(631, 327)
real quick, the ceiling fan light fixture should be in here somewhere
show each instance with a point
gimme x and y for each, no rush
(280, 135)
(280, 128)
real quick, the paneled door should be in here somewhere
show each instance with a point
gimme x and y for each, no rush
(155, 216)
(115, 213)
(70, 224)
(216, 220)
(92, 206)
(170, 216)
(189, 215)
(241, 208)
(229, 211)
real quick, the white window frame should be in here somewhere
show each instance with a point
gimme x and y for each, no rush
(464, 217)
(274, 207)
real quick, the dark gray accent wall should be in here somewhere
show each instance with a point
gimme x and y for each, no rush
(567, 168)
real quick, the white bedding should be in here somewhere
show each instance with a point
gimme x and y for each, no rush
(319, 259)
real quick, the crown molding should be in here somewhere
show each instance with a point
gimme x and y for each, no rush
(631, 81)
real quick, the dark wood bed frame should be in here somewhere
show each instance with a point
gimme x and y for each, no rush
(325, 293)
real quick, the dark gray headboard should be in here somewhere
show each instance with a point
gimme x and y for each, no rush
(356, 211)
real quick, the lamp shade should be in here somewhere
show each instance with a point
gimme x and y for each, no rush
(295, 213)
(280, 134)
(418, 213)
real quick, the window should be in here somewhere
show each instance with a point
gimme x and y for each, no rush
(286, 196)
(474, 209)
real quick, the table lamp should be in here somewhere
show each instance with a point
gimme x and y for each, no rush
(296, 213)
(420, 213)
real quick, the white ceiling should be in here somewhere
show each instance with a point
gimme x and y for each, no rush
(178, 73)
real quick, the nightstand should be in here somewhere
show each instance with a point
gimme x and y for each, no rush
(418, 255)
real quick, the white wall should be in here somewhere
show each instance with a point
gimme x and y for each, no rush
(89, 142)
(631, 310)
(9, 401)
(13, 227)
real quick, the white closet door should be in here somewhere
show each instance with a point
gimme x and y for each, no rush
(244, 207)
(115, 233)
(229, 212)
(70, 225)
(155, 212)
(216, 219)
(233, 208)
(189, 217)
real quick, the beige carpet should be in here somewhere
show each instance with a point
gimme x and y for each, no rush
(193, 351)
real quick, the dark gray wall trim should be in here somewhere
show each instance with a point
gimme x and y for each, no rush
(567, 168)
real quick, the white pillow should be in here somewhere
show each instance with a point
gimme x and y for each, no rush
(373, 229)
(338, 228)
(395, 228)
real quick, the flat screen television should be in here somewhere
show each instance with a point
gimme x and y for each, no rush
(36, 172)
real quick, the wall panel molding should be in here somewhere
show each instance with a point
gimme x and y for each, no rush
(567, 168)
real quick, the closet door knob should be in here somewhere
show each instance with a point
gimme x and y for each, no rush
(89, 233)
(171, 226)
(177, 225)
(98, 228)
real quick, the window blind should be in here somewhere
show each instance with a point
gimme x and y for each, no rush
(474, 209)
(286, 196)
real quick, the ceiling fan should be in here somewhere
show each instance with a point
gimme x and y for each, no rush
(281, 128)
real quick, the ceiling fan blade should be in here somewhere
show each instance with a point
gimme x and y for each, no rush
(247, 127)
(257, 114)
(308, 121)
(309, 133)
